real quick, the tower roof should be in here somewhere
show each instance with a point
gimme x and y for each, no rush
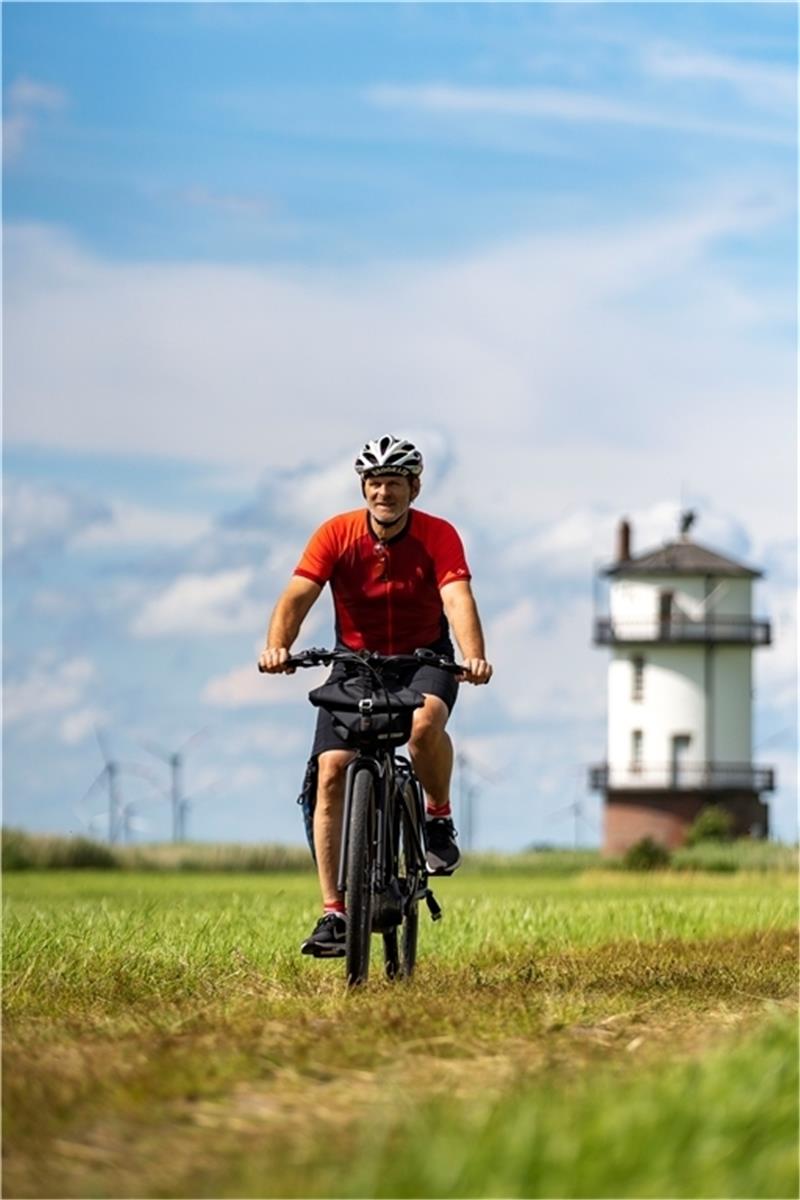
(682, 557)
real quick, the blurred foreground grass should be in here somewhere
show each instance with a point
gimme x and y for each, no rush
(163, 1037)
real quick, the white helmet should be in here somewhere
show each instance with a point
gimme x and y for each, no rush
(389, 456)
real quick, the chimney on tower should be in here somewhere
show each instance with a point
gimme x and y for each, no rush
(623, 540)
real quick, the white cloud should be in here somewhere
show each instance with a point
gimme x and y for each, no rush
(16, 128)
(27, 100)
(78, 725)
(137, 525)
(245, 687)
(269, 736)
(559, 368)
(567, 547)
(39, 519)
(50, 687)
(231, 204)
(201, 604)
(30, 94)
(562, 104)
(776, 666)
(544, 670)
(771, 85)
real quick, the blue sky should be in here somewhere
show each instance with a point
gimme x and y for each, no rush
(555, 243)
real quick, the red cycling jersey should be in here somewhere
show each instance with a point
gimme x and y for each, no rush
(386, 594)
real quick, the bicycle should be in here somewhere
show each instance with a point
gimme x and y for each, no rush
(382, 866)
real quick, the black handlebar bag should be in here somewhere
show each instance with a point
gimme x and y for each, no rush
(389, 721)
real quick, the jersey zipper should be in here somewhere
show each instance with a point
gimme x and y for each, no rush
(389, 627)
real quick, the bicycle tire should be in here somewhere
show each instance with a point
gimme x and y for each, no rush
(411, 838)
(360, 862)
(391, 945)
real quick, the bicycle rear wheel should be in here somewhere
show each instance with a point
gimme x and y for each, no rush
(360, 862)
(400, 943)
(412, 842)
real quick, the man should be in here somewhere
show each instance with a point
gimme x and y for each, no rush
(399, 580)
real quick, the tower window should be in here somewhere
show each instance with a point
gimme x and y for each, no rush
(681, 743)
(637, 739)
(637, 678)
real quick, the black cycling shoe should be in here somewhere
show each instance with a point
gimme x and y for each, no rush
(443, 854)
(328, 938)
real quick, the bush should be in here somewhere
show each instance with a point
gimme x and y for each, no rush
(25, 852)
(712, 824)
(646, 855)
(82, 853)
(743, 854)
(16, 851)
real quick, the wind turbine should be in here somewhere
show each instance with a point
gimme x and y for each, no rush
(468, 793)
(576, 808)
(185, 807)
(131, 822)
(174, 760)
(109, 775)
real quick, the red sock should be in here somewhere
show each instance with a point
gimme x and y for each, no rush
(336, 907)
(442, 810)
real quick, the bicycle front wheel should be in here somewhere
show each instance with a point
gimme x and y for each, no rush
(360, 864)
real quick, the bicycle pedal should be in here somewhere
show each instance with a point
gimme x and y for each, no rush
(434, 908)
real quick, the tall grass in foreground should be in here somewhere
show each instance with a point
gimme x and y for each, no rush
(723, 1126)
(121, 942)
(164, 1038)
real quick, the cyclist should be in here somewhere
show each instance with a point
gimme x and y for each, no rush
(400, 581)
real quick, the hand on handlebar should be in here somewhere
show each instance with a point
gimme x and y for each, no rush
(476, 670)
(274, 661)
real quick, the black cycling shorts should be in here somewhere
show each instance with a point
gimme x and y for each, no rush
(430, 680)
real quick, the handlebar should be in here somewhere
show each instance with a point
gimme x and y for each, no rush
(315, 657)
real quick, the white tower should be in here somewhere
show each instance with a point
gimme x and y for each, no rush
(679, 693)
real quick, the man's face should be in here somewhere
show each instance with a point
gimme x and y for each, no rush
(388, 496)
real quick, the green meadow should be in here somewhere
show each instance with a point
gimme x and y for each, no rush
(570, 1031)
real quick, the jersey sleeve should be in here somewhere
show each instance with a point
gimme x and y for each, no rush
(319, 557)
(449, 559)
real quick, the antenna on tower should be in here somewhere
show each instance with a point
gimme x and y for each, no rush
(688, 518)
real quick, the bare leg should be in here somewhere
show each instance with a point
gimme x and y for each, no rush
(432, 751)
(328, 820)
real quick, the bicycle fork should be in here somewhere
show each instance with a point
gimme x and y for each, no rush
(378, 772)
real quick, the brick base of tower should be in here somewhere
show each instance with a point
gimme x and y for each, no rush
(666, 816)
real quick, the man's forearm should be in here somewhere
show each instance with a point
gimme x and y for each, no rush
(284, 624)
(289, 614)
(462, 613)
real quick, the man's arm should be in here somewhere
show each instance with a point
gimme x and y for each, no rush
(462, 613)
(284, 626)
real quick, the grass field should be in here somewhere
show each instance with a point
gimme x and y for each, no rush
(589, 1034)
